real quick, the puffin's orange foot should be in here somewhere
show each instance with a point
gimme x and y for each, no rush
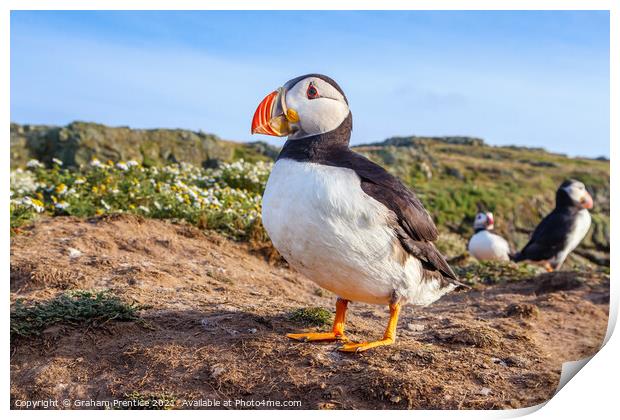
(326, 336)
(358, 347)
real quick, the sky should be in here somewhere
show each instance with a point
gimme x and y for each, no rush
(529, 78)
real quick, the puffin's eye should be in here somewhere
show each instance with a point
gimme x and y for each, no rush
(312, 92)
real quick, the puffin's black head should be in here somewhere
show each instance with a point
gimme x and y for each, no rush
(573, 193)
(305, 106)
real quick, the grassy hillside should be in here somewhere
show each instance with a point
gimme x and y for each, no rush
(454, 176)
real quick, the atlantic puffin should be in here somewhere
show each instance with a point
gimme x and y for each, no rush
(559, 233)
(340, 219)
(484, 245)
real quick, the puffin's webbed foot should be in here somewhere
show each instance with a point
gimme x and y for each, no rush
(388, 338)
(337, 331)
(357, 347)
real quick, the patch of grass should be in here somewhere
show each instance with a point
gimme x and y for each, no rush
(315, 316)
(20, 216)
(138, 401)
(492, 272)
(77, 307)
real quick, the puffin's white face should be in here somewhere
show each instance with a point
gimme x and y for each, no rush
(319, 105)
(484, 221)
(577, 192)
(303, 107)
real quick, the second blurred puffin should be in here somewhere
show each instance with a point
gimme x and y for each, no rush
(484, 245)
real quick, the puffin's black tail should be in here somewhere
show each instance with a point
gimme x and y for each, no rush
(516, 257)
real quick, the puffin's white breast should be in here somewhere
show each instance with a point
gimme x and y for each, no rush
(326, 227)
(582, 223)
(485, 246)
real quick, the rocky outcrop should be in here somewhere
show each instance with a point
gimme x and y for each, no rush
(79, 142)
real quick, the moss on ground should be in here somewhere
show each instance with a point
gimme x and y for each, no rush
(492, 272)
(314, 317)
(76, 307)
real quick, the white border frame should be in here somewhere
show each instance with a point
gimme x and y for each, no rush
(593, 393)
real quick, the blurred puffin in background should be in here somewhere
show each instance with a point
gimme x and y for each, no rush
(559, 233)
(484, 245)
(340, 219)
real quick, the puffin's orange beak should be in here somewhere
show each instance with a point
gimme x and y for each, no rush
(272, 116)
(586, 201)
(262, 116)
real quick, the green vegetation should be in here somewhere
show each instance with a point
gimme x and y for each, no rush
(312, 317)
(76, 307)
(21, 215)
(491, 272)
(226, 199)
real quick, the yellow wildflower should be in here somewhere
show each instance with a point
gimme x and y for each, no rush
(60, 188)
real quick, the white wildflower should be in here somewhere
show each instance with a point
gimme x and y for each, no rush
(23, 182)
(33, 163)
(96, 163)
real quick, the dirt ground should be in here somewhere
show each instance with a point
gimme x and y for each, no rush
(217, 316)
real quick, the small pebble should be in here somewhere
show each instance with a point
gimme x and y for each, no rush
(484, 391)
(395, 399)
(217, 371)
(252, 330)
(395, 357)
(498, 361)
(415, 327)
(74, 253)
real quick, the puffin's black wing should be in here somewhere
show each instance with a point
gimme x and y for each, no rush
(415, 228)
(549, 237)
(388, 190)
